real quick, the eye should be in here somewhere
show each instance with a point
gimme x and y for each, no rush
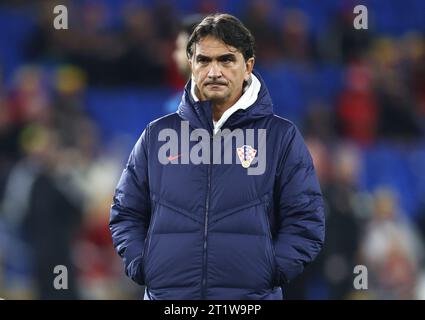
(227, 59)
(202, 60)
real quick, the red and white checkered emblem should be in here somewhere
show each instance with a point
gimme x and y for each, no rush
(246, 154)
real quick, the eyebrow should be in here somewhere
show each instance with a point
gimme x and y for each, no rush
(226, 56)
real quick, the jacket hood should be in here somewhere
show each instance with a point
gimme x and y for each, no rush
(199, 114)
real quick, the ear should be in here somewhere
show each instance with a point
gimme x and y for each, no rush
(249, 64)
(191, 69)
(190, 62)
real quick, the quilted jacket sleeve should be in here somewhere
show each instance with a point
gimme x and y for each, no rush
(130, 211)
(300, 211)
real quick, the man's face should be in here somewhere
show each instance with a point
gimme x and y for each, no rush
(180, 56)
(219, 70)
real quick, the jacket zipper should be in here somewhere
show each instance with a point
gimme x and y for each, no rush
(207, 205)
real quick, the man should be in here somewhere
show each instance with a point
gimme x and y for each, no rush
(187, 26)
(192, 227)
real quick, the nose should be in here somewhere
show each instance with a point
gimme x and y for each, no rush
(214, 71)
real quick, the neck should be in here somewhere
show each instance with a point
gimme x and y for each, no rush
(219, 108)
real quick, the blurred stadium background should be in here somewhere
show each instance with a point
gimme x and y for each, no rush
(73, 102)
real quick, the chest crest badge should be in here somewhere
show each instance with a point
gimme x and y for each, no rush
(246, 154)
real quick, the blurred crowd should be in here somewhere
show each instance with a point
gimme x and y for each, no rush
(58, 172)
(56, 179)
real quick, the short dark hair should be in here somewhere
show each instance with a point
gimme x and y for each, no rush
(226, 28)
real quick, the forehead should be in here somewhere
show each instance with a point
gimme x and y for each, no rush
(211, 47)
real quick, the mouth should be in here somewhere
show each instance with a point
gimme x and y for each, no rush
(215, 86)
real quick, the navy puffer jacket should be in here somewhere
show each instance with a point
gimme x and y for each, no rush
(212, 231)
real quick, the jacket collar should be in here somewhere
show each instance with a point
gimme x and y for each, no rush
(255, 103)
(247, 99)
